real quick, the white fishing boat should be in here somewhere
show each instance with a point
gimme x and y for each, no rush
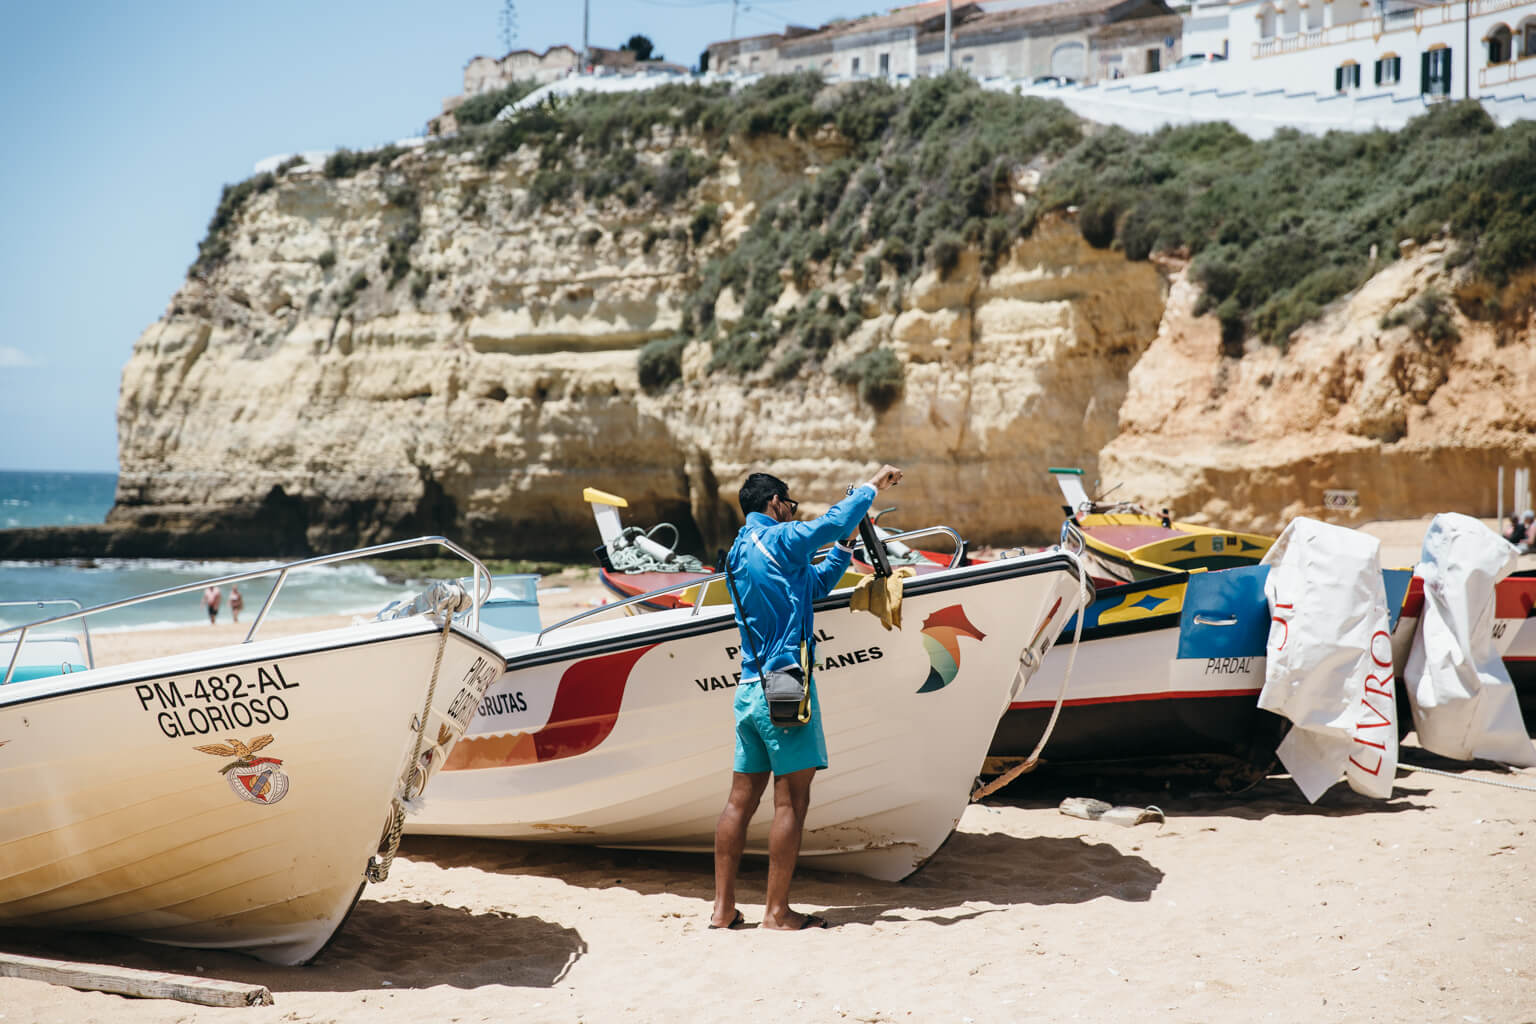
(231, 798)
(618, 732)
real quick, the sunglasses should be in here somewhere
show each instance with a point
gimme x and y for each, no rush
(794, 506)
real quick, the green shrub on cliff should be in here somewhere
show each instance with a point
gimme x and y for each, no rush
(215, 244)
(484, 107)
(344, 163)
(878, 376)
(661, 363)
(1281, 227)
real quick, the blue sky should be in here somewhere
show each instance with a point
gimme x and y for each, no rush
(123, 121)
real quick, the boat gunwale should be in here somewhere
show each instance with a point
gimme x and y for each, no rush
(680, 623)
(15, 694)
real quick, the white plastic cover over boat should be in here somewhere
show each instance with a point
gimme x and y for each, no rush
(1328, 661)
(1464, 705)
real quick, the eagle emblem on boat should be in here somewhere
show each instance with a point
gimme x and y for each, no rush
(260, 780)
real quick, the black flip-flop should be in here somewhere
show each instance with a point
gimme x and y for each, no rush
(812, 921)
(736, 922)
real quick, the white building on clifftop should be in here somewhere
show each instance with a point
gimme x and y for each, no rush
(1317, 65)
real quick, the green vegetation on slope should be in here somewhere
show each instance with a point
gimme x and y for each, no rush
(1281, 227)
(1277, 228)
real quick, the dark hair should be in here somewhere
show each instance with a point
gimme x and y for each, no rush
(759, 490)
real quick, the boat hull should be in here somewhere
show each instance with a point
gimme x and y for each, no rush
(622, 734)
(1165, 667)
(112, 819)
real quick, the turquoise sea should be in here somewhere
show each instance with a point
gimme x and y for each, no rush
(60, 499)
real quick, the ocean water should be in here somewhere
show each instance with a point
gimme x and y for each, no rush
(54, 499)
(57, 499)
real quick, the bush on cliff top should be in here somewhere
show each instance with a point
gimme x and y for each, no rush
(483, 108)
(1280, 228)
(1277, 228)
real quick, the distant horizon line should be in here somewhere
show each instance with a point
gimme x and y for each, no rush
(77, 472)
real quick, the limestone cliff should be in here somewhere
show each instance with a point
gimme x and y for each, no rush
(285, 403)
(409, 350)
(1358, 401)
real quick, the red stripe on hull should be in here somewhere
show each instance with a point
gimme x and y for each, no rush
(1128, 697)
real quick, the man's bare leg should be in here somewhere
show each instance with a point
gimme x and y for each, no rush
(731, 838)
(791, 800)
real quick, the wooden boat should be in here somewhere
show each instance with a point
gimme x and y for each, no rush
(618, 732)
(1167, 666)
(234, 797)
(1514, 633)
(1126, 542)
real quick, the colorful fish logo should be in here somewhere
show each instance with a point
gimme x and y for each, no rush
(941, 639)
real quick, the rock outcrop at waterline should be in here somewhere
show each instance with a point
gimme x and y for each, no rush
(411, 351)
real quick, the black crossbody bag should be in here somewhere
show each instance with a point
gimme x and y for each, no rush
(787, 690)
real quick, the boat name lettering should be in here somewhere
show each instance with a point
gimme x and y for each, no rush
(216, 702)
(856, 657)
(211, 689)
(718, 682)
(860, 656)
(240, 714)
(1228, 666)
(477, 677)
(821, 636)
(503, 704)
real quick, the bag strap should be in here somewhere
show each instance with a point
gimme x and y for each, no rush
(736, 605)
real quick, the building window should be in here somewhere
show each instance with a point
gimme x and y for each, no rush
(885, 63)
(1435, 72)
(1346, 76)
(1529, 47)
(855, 68)
(1389, 70)
(1499, 45)
(1154, 60)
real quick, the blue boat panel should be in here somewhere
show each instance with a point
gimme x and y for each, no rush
(1225, 614)
(1396, 581)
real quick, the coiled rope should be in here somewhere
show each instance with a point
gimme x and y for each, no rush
(447, 599)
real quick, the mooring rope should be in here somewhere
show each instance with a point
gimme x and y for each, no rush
(1032, 761)
(413, 780)
(1465, 778)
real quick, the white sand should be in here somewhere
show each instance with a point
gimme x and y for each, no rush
(1252, 907)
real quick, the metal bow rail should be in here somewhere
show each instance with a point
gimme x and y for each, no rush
(480, 573)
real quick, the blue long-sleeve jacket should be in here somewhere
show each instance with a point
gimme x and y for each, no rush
(770, 565)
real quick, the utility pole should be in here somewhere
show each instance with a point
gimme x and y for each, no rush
(949, 14)
(586, 10)
(734, 4)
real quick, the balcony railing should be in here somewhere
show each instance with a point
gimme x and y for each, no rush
(1373, 28)
(1509, 71)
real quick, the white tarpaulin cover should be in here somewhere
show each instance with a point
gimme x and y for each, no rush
(1464, 705)
(1328, 664)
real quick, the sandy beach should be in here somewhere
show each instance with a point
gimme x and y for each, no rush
(1248, 907)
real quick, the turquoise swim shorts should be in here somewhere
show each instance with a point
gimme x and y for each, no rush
(762, 746)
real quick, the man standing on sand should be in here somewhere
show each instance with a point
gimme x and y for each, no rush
(211, 598)
(776, 584)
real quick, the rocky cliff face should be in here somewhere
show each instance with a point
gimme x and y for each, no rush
(1415, 418)
(409, 351)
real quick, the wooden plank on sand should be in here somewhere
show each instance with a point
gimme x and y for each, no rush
(127, 981)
